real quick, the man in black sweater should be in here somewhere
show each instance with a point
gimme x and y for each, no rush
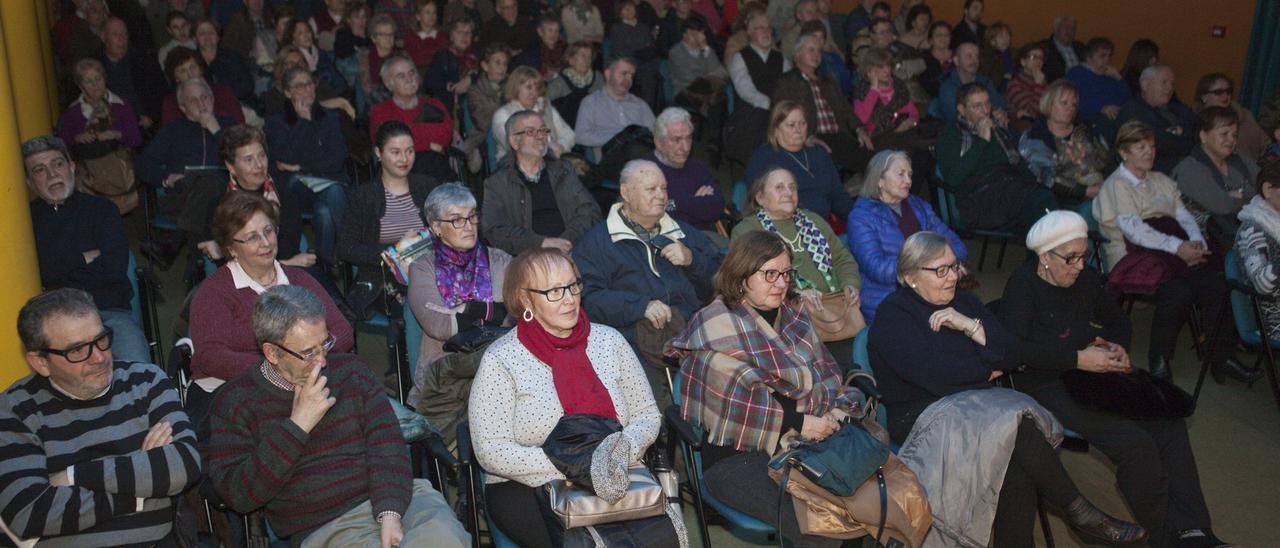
(80, 242)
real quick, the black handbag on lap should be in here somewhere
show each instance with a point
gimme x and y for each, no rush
(1135, 395)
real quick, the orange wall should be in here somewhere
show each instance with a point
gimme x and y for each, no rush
(1181, 28)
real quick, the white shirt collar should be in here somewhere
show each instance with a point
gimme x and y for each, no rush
(242, 280)
(1129, 176)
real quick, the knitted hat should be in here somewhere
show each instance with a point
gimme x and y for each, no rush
(1054, 229)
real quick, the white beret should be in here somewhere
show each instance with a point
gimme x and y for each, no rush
(1054, 229)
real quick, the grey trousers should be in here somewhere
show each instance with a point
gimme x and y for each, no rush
(428, 522)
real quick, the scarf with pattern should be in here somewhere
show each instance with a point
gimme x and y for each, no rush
(731, 363)
(268, 190)
(462, 276)
(882, 113)
(998, 134)
(812, 241)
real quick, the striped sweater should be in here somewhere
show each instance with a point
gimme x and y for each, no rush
(259, 458)
(42, 431)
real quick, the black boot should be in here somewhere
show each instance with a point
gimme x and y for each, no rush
(1092, 522)
(1159, 367)
(1232, 367)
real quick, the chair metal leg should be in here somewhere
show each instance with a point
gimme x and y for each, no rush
(1044, 523)
(1207, 351)
(696, 489)
(1268, 354)
(982, 256)
(1004, 243)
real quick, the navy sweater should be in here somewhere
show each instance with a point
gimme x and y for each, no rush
(179, 144)
(821, 190)
(83, 223)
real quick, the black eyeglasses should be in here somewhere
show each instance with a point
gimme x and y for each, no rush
(556, 293)
(537, 133)
(941, 271)
(459, 222)
(1069, 259)
(772, 275)
(82, 351)
(254, 238)
(325, 347)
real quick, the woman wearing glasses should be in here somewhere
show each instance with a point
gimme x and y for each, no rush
(245, 229)
(1216, 90)
(458, 282)
(381, 213)
(1062, 319)
(935, 352)
(555, 363)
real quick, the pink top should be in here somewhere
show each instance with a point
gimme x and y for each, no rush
(863, 107)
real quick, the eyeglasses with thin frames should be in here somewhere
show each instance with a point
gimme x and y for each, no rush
(772, 275)
(82, 351)
(307, 357)
(255, 238)
(942, 270)
(1069, 259)
(556, 293)
(538, 133)
(459, 222)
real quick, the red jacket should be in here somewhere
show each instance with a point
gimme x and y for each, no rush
(424, 133)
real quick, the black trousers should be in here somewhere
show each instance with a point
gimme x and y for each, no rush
(1207, 288)
(847, 153)
(742, 482)
(1155, 467)
(1034, 472)
(516, 509)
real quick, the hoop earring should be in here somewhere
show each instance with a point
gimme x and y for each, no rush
(527, 316)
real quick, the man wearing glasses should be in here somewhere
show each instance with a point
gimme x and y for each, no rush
(80, 242)
(313, 442)
(95, 450)
(534, 201)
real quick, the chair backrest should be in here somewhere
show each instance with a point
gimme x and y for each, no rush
(135, 303)
(947, 208)
(1241, 304)
(412, 338)
(740, 196)
(862, 359)
(668, 91)
(468, 125)
(491, 152)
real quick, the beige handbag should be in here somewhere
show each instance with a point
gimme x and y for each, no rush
(110, 176)
(578, 507)
(838, 320)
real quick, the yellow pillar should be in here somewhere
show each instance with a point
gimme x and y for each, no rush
(26, 67)
(46, 55)
(20, 276)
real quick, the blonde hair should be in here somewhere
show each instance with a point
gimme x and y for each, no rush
(779, 112)
(517, 78)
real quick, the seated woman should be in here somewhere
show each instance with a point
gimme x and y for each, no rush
(996, 56)
(484, 98)
(458, 282)
(1102, 88)
(310, 155)
(1156, 248)
(274, 100)
(1062, 319)
(575, 81)
(352, 35)
(382, 212)
(449, 74)
(184, 64)
(299, 34)
(99, 124)
(225, 67)
(554, 364)
(752, 370)
(382, 37)
(938, 57)
(1215, 179)
(822, 262)
(1028, 85)
(935, 352)
(427, 117)
(426, 38)
(791, 144)
(1258, 236)
(244, 226)
(581, 22)
(885, 215)
(882, 101)
(1064, 154)
(526, 90)
(1215, 90)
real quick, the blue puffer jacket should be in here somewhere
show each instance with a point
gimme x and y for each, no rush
(875, 240)
(622, 275)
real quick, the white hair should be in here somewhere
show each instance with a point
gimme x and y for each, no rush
(635, 170)
(672, 115)
(1153, 70)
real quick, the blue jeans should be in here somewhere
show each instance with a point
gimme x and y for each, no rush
(327, 208)
(127, 341)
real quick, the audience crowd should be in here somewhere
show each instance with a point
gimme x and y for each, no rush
(587, 211)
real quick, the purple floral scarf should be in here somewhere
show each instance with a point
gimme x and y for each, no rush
(462, 276)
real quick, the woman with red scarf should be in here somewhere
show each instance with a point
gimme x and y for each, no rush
(555, 364)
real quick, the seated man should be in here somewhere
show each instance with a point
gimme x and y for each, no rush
(979, 161)
(508, 27)
(185, 64)
(534, 201)
(80, 242)
(828, 112)
(428, 117)
(611, 108)
(694, 193)
(548, 57)
(1101, 88)
(322, 454)
(1062, 51)
(966, 72)
(184, 143)
(697, 77)
(95, 451)
(645, 273)
(671, 27)
(1172, 121)
(131, 75)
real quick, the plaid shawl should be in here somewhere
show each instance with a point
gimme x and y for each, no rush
(731, 361)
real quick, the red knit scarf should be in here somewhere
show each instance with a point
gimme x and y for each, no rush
(576, 382)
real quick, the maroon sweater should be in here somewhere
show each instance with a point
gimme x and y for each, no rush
(257, 457)
(222, 324)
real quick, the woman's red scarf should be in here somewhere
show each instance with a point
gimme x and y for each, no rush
(576, 382)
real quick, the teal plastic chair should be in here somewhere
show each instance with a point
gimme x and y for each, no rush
(740, 196)
(950, 213)
(471, 482)
(1097, 257)
(668, 91)
(1246, 310)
